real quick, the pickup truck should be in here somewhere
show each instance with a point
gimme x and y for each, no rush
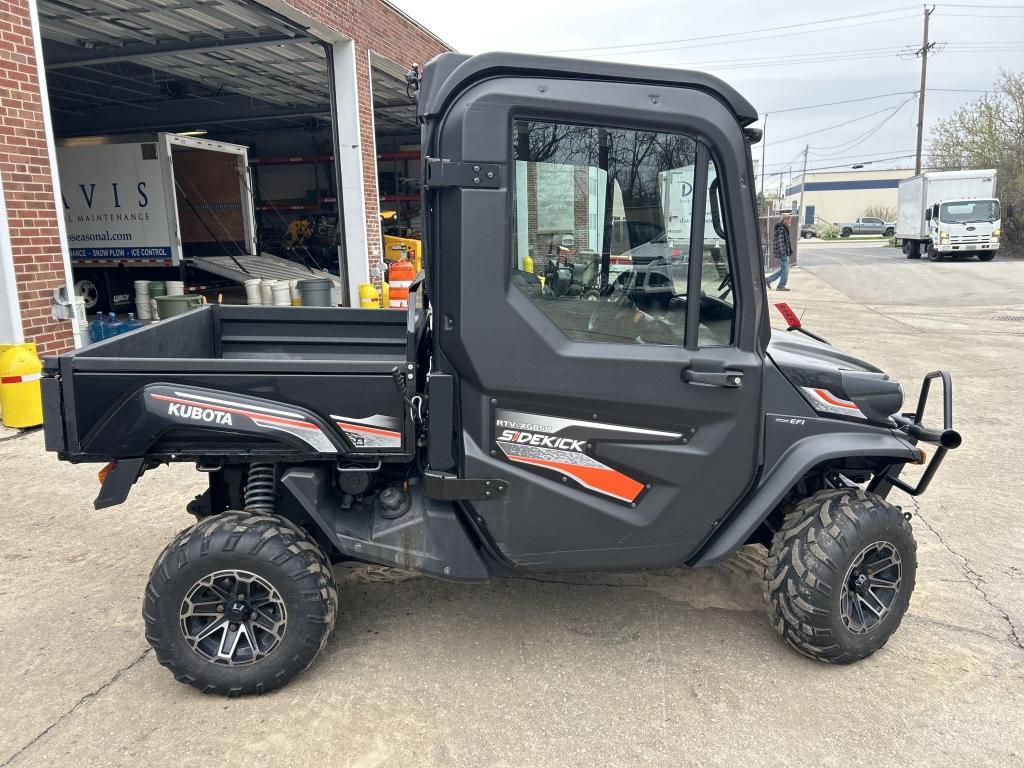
(867, 225)
(498, 428)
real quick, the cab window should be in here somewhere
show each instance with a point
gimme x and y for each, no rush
(603, 222)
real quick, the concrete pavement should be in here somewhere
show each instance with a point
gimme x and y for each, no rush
(660, 668)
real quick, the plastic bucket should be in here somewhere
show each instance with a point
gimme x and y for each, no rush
(282, 294)
(252, 291)
(315, 293)
(157, 288)
(266, 291)
(175, 288)
(169, 306)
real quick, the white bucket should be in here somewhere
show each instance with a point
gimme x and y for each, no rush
(252, 291)
(143, 308)
(142, 287)
(281, 293)
(175, 288)
(266, 292)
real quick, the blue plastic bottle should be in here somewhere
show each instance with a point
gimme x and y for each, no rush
(114, 326)
(98, 328)
(131, 323)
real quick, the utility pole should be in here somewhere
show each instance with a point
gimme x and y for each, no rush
(764, 144)
(795, 236)
(923, 53)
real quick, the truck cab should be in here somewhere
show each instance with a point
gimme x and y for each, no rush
(970, 226)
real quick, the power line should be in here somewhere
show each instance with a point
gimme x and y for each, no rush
(859, 157)
(837, 125)
(858, 140)
(733, 34)
(870, 98)
(843, 27)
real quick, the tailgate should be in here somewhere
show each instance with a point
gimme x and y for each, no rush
(54, 430)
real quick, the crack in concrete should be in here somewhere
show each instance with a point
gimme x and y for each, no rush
(78, 704)
(972, 577)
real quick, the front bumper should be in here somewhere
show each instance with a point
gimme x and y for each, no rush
(945, 439)
(967, 247)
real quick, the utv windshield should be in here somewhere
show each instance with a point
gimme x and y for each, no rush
(969, 212)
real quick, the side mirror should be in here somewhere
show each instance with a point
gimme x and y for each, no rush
(928, 215)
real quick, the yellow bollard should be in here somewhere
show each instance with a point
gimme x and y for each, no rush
(21, 399)
(368, 296)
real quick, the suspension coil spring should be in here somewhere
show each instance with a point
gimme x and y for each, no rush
(261, 489)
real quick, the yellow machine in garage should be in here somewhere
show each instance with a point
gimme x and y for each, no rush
(398, 248)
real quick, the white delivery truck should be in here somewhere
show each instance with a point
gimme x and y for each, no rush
(174, 208)
(949, 213)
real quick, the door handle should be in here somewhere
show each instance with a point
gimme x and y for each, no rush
(732, 379)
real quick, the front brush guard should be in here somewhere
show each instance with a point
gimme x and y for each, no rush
(946, 438)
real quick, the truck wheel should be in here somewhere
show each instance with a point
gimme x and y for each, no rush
(986, 256)
(839, 575)
(913, 250)
(239, 603)
(933, 254)
(889, 232)
(93, 289)
(846, 232)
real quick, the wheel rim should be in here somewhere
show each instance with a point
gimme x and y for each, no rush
(870, 587)
(233, 618)
(88, 291)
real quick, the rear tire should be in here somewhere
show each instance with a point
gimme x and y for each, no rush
(889, 232)
(240, 603)
(823, 582)
(913, 250)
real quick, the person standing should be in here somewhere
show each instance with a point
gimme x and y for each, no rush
(783, 249)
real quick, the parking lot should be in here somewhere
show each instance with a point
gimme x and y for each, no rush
(670, 667)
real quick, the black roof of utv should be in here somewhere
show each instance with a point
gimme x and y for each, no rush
(449, 73)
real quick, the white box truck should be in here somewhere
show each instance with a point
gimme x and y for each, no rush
(949, 213)
(174, 208)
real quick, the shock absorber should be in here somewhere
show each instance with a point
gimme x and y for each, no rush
(260, 489)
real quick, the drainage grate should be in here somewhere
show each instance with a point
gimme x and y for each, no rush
(1011, 318)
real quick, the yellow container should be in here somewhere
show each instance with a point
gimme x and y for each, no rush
(21, 398)
(385, 294)
(368, 296)
(528, 263)
(398, 248)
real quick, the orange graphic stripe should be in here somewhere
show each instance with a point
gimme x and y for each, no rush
(602, 479)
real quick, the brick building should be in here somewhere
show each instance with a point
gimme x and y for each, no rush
(314, 89)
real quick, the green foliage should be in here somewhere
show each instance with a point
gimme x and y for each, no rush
(989, 133)
(827, 231)
(883, 212)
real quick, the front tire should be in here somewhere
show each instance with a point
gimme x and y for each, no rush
(986, 255)
(933, 253)
(839, 575)
(240, 604)
(846, 232)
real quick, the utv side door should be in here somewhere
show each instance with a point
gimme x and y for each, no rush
(617, 386)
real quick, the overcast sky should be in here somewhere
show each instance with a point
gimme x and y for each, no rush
(846, 50)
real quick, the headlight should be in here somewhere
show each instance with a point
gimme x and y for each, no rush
(996, 233)
(944, 236)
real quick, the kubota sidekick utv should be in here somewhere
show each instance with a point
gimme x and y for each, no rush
(500, 427)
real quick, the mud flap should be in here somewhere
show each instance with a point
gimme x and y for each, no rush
(429, 538)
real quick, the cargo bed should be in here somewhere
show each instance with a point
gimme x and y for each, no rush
(329, 368)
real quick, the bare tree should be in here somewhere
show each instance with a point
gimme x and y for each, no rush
(989, 133)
